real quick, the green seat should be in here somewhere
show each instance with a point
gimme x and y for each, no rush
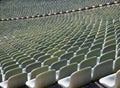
(111, 41)
(110, 36)
(108, 55)
(36, 56)
(73, 49)
(12, 72)
(17, 81)
(57, 65)
(10, 67)
(89, 62)
(47, 49)
(98, 45)
(65, 47)
(23, 59)
(43, 80)
(77, 79)
(21, 56)
(82, 51)
(95, 52)
(78, 43)
(37, 71)
(8, 63)
(66, 56)
(88, 44)
(32, 66)
(102, 69)
(99, 40)
(76, 59)
(66, 71)
(52, 51)
(44, 57)
(27, 62)
(50, 61)
(116, 64)
(109, 48)
(118, 54)
(5, 61)
(59, 53)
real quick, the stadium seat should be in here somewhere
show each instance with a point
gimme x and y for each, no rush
(77, 79)
(32, 66)
(10, 67)
(95, 52)
(66, 71)
(109, 48)
(116, 64)
(37, 55)
(73, 49)
(66, 56)
(49, 61)
(8, 64)
(43, 80)
(82, 51)
(57, 65)
(111, 81)
(107, 56)
(37, 71)
(89, 62)
(77, 59)
(15, 81)
(44, 57)
(98, 45)
(59, 53)
(27, 62)
(12, 72)
(100, 69)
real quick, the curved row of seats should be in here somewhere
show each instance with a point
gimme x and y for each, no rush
(42, 74)
(23, 8)
(57, 45)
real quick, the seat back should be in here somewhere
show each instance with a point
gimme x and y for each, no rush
(107, 56)
(117, 65)
(109, 48)
(82, 51)
(80, 78)
(27, 62)
(59, 53)
(90, 62)
(32, 66)
(45, 79)
(102, 69)
(44, 57)
(50, 61)
(12, 72)
(66, 56)
(57, 65)
(17, 80)
(67, 70)
(77, 58)
(37, 71)
(73, 49)
(10, 67)
(95, 52)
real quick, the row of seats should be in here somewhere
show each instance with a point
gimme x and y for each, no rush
(48, 47)
(42, 74)
(24, 8)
